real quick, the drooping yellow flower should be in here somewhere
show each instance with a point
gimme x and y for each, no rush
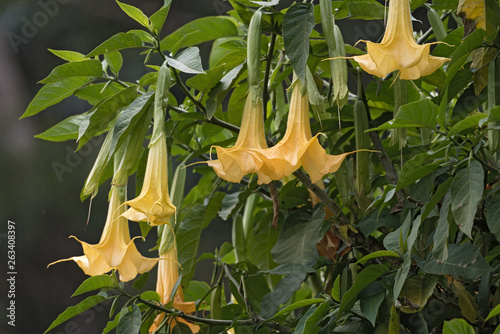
(115, 250)
(235, 162)
(298, 147)
(398, 49)
(153, 205)
(168, 274)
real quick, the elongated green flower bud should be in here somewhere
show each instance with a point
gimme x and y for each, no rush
(161, 101)
(493, 100)
(93, 180)
(436, 23)
(336, 49)
(253, 55)
(362, 142)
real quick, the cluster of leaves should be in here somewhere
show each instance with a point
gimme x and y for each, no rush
(410, 241)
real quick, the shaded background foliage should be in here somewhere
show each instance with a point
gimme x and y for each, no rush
(40, 181)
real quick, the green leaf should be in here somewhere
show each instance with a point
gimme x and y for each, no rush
(68, 55)
(114, 60)
(139, 283)
(128, 119)
(366, 10)
(370, 306)
(417, 290)
(120, 41)
(158, 18)
(217, 94)
(493, 313)
(64, 130)
(130, 323)
(151, 296)
(201, 30)
(281, 294)
(464, 260)
(440, 249)
(421, 114)
(134, 13)
(377, 254)
(308, 323)
(297, 27)
(470, 43)
(95, 93)
(97, 120)
(415, 169)
(94, 283)
(375, 219)
(188, 234)
(457, 326)
(298, 238)
(72, 311)
(364, 278)
(467, 303)
(493, 215)
(205, 81)
(260, 243)
(84, 68)
(196, 291)
(466, 193)
(53, 93)
(296, 305)
(188, 61)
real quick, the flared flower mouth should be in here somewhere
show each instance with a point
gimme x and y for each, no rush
(115, 250)
(398, 49)
(234, 163)
(153, 205)
(298, 147)
(168, 274)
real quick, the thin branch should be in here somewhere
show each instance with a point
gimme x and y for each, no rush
(256, 321)
(214, 120)
(186, 91)
(323, 196)
(269, 58)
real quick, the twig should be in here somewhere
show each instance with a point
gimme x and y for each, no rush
(269, 58)
(323, 196)
(214, 120)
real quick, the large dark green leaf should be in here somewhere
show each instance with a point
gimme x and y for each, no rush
(84, 68)
(199, 31)
(364, 278)
(366, 10)
(464, 260)
(466, 193)
(204, 82)
(72, 311)
(421, 114)
(415, 169)
(298, 238)
(297, 27)
(53, 93)
(130, 322)
(308, 323)
(217, 94)
(281, 293)
(440, 249)
(493, 215)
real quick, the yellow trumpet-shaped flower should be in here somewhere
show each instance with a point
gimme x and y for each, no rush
(235, 162)
(153, 205)
(298, 147)
(115, 250)
(168, 274)
(398, 49)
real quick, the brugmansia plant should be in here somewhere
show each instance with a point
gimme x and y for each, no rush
(375, 208)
